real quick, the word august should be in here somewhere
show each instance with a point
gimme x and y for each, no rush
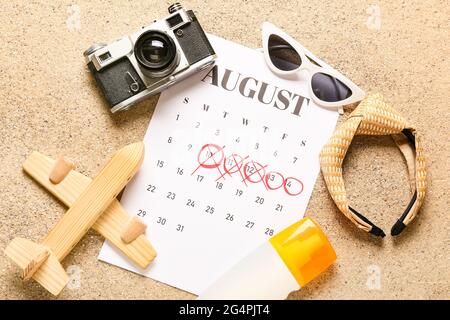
(211, 156)
(252, 88)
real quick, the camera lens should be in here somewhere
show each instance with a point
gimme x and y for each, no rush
(154, 50)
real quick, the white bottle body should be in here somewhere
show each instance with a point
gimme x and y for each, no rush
(262, 275)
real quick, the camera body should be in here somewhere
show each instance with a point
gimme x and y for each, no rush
(144, 63)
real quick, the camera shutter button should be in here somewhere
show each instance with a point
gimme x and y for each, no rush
(93, 48)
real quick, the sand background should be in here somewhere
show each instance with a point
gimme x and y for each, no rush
(49, 103)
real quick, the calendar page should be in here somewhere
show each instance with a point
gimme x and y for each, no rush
(232, 156)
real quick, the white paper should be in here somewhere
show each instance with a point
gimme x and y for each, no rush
(195, 243)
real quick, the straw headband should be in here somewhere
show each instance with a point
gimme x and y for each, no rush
(374, 117)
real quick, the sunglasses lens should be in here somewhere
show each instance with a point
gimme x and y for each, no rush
(328, 88)
(282, 55)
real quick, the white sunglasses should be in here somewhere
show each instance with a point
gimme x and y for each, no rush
(285, 56)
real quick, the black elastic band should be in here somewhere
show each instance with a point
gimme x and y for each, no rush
(375, 230)
(412, 139)
(399, 226)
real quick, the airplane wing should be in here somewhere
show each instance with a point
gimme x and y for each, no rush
(111, 222)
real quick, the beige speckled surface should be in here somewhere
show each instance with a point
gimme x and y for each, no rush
(48, 102)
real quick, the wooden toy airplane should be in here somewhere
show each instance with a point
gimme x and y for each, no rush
(91, 203)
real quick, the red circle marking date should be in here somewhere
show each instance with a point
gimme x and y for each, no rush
(211, 156)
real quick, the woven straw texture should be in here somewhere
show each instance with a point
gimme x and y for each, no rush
(373, 116)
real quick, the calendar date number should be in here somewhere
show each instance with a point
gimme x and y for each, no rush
(212, 157)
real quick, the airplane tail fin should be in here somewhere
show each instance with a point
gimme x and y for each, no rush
(38, 262)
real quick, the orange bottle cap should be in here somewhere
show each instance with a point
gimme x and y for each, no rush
(305, 250)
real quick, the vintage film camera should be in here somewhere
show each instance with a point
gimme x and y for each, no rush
(135, 67)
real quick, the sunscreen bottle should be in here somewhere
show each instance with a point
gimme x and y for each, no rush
(285, 263)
